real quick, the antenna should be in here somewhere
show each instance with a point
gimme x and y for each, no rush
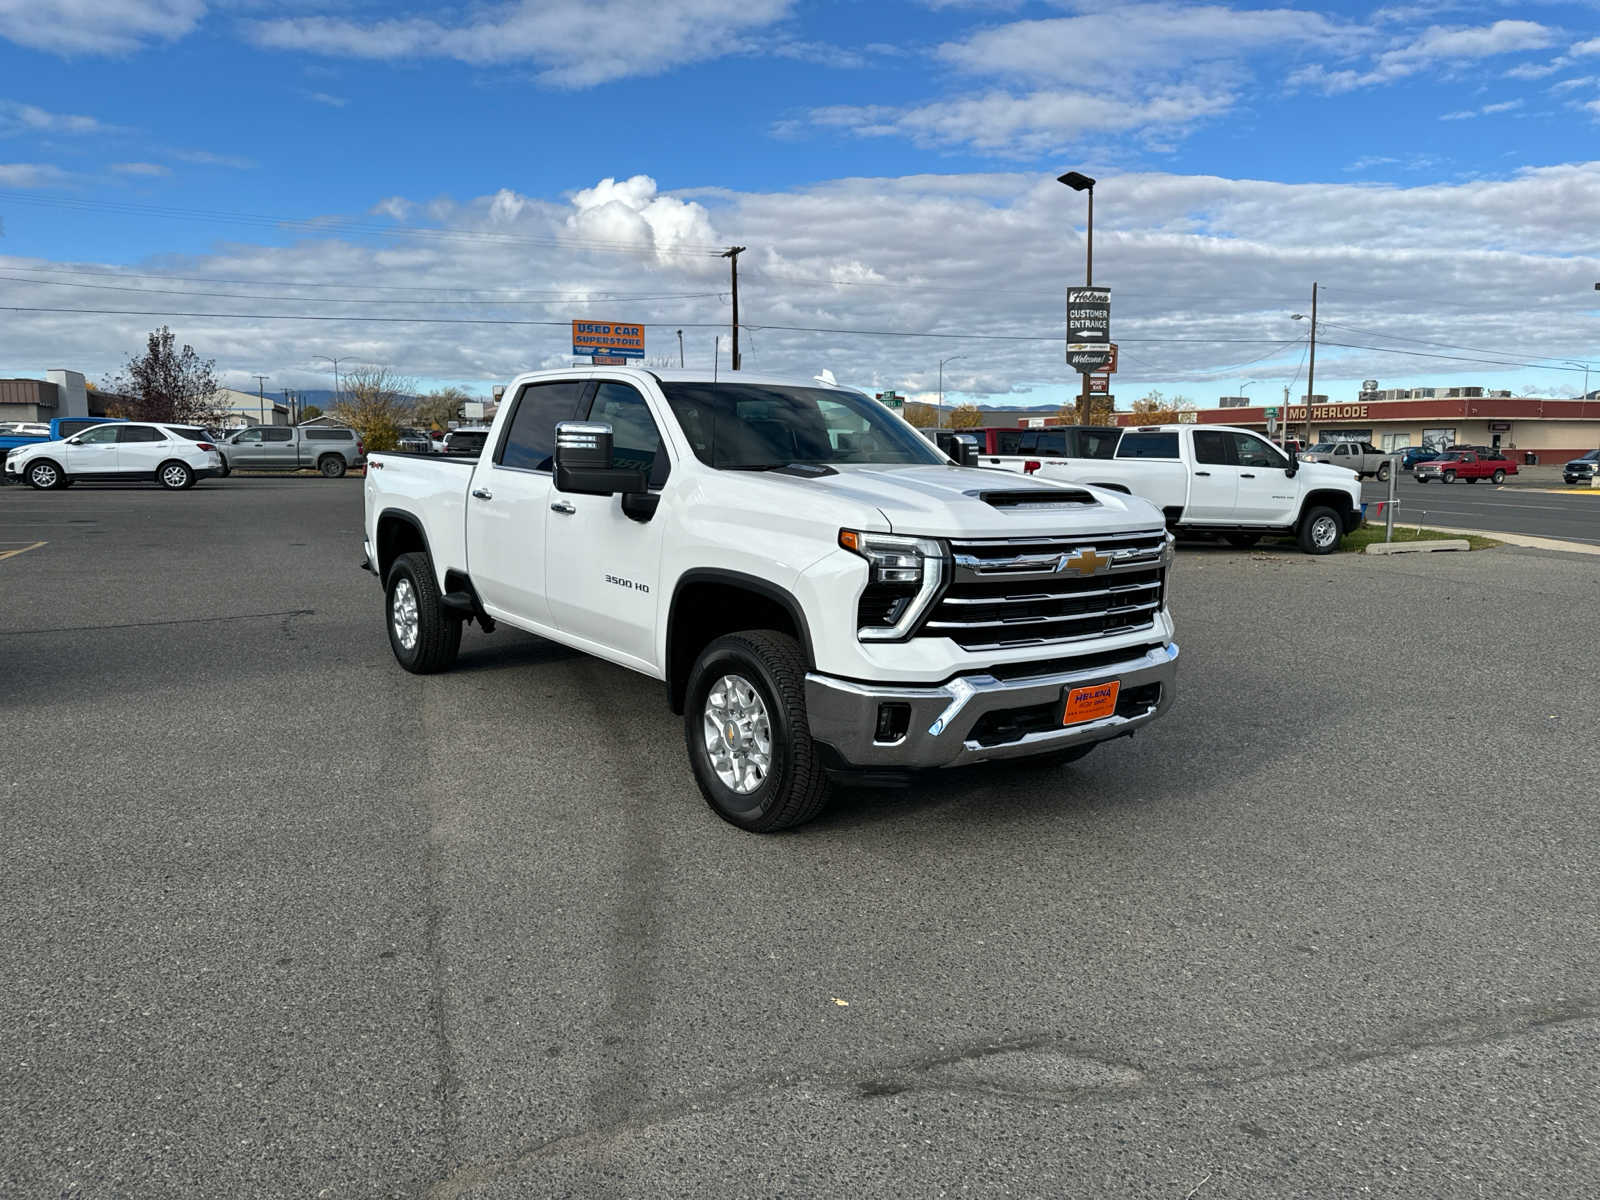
(716, 357)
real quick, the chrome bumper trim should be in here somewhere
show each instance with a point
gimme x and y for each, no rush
(843, 714)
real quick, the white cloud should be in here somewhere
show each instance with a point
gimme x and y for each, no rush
(1437, 45)
(1534, 70)
(140, 168)
(1567, 85)
(573, 43)
(1465, 114)
(71, 27)
(1495, 263)
(330, 100)
(31, 175)
(1503, 106)
(206, 158)
(1581, 49)
(397, 207)
(16, 117)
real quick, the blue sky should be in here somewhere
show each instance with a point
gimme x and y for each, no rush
(889, 164)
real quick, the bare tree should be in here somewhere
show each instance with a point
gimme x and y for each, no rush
(166, 384)
(440, 407)
(376, 404)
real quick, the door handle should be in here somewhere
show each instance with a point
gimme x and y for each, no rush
(483, 493)
(561, 506)
(1246, 476)
(1202, 472)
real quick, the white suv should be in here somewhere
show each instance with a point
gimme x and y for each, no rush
(175, 456)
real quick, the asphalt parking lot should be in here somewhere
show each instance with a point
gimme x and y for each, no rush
(282, 920)
(1570, 514)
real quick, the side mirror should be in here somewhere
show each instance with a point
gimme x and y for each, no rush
(76, 440)
(583, 462)
(1294, 464)
(966, 454)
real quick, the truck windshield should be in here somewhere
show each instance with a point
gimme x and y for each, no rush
(755, 426)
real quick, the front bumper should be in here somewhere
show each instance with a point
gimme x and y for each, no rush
(978, 717)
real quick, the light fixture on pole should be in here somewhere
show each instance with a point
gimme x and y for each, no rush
(1573, 363)
(938, 421)
(1080, 182)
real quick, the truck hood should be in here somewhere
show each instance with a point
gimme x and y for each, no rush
(949, 501)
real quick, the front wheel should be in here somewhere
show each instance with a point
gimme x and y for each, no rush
(748, 736)
(1320, 530)
(1421, 478)
(1383, 473)
(1498, 477)
(45, 475)
(331, 466)
(423, 634)
(225, 470)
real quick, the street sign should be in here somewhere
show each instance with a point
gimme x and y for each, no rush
(1188, 416)
(1099, 383)
(891, 399)
(1088, 328)
(1272, 412)
(607, 337)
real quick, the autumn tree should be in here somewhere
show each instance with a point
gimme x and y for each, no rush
(440, 406)
(967, 416)
(919, 414)
(168, 384)
(1154, 409)
(310, 413)
(376, 404)
(1101, 411)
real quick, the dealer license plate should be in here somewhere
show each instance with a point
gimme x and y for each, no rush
(1091, 703)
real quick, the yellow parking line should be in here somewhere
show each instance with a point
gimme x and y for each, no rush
(5, 554)
(1566, 491)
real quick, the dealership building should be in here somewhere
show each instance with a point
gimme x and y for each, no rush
(1551, 431)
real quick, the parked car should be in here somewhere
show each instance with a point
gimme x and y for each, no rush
(1582, 469)
(1412, 455)
(1222, 481)
(955, 443)
(174, 456)
(1471, 465)
(1024, 450)
(33, 433)
(732, 539)
(330, 449)
(415, 441)
(1361, 457)
(468, 441)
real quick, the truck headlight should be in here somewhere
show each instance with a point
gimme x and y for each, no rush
(904, 575)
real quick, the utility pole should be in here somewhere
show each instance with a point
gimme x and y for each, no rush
(732, 255)
(1311, 370)
(680, 347)
(261, 395)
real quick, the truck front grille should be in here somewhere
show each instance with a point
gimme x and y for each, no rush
(1040, 591)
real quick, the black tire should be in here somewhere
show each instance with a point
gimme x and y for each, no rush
(1242, 540)
(1449, 476)
(795, 787)
(1383, 473)
(225, 469)
(175, 476)
(1314, 527)
(1421, 478)
(1498, 477)
(44, 475)
(332, 466)
(437, 631)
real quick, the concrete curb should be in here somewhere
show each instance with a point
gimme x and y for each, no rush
(1517, 539)
(1418, 547)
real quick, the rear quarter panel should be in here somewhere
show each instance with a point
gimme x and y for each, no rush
(433, 492)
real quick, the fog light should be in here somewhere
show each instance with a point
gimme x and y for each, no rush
(893, 721)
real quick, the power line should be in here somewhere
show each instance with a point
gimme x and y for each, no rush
(1450, 357)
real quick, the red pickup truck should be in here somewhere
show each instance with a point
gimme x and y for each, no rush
(1471, 465)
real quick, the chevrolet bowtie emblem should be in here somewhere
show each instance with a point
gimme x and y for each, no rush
(1084, 562)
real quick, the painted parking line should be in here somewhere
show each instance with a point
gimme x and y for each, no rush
(19, 549)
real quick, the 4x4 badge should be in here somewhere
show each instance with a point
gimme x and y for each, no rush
(1087, 561)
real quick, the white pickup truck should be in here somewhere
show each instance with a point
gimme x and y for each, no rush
(1222, 481)
(822, 591)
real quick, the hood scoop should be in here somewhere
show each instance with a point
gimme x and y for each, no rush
(1035, 499)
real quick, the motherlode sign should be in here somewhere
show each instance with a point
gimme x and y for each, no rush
(607, 339)
(1088, 328)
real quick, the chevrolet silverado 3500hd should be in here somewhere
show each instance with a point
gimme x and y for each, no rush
(822, 591)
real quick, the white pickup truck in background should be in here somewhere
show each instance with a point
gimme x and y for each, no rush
(821, 590)
(1222, 481)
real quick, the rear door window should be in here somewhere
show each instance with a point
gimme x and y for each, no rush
(1148, 445)
(1211, 447)
(529, 442)
(140, 433)
(1008, 441)
(277, 435)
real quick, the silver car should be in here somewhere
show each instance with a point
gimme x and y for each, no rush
(330, 449)
(1361, 457)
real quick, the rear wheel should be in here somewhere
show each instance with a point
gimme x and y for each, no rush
(1383, 473)
(424, 635)
(748, 736)
(331, 466)
(1320, 530)
(45, 475)
(1498, 477)
(175, 476)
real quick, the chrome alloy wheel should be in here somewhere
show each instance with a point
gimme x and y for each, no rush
(1324, 532)
(403, 614)
(43, 475)
(175, 476)
(738, 734)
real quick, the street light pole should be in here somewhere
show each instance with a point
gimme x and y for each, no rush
(1573, 363)
(1311, 372)
(1080, 182)
(938, 421)
(1244, 385)
(680, 347)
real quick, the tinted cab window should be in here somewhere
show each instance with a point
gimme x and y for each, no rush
(529, 443)
(1148, 445)
(635, 441)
